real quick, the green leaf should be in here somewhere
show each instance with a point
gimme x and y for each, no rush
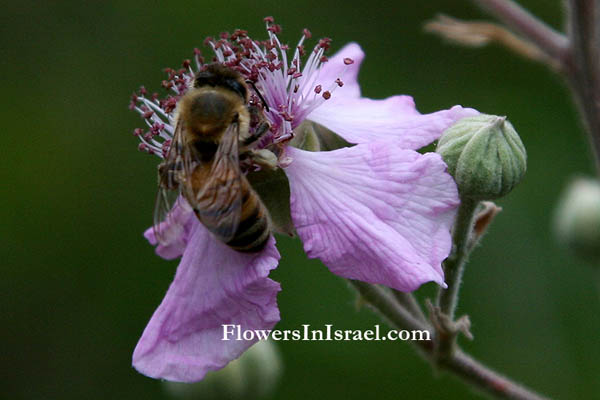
(274, 190)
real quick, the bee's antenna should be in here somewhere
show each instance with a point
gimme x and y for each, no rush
(265, 105)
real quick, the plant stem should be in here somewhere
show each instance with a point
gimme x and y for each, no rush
(551, 42)
(387, 306)
(577, 56)
(583, 70)
(459, 363)
(454, 265)
(408, 301)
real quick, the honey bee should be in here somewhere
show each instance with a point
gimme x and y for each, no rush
(212, 132)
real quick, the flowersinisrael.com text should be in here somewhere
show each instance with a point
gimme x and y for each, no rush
(236, 332)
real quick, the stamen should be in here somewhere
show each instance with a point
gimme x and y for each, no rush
(284, 89)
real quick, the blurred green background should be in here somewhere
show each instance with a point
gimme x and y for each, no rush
(79, 282)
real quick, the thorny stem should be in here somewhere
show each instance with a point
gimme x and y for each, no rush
(454, 265)
(459, 363)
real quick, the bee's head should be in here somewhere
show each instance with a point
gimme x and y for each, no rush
(217, 75)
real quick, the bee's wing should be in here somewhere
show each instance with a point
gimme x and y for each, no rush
(219, 200)
(178, 163)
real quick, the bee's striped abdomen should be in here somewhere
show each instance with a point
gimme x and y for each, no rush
(253, 230)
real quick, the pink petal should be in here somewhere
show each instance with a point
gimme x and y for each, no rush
(214, 285)
(374, 212)
(176, 230)
(336, 68)
(362, 120)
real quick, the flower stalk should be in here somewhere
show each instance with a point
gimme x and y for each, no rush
(458, 363)
(455, 264)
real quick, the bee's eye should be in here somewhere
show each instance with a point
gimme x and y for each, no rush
(203, 79)
(237, 87)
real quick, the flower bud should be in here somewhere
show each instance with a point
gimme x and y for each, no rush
(252, 376)
(577, 218)
(485, 156)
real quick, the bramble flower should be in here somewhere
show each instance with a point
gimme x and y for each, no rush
(377, 211)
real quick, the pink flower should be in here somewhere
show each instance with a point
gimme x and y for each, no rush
(378, 211)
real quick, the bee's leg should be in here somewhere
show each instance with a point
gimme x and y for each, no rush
(260, 124)
(168, 173)
(261, 129)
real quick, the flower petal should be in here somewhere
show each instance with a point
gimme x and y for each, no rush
(362, 120)
(175, 229)
(374, 212)
(335, 68)
(214, 285)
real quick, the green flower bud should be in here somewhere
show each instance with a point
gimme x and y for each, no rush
(252, 376)
(485, 156)
(577, 218)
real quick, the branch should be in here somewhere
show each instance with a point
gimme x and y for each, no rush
(454, 264)
(459, 363)
(584, 70)
(551, 42)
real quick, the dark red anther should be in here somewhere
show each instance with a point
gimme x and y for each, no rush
(296, 87)
(276, 29)
(148, 114)
(269, 19)
(318, 89)
(227, 53)
(324, 59)
(339, 82)
(348, 61)
(224, 35)
(301, 50)
(306, 33)
(186, 63)
(169, 104)
(291, 71)
(297, 75)
(167, 84)
(286, 116)
(134, 97)
(154, 96)
(326, 95)
(197, 51)
(324, 43)
(142, 147)
(208, 40)
(143, 91)
(138, 132)
(284, 47)
(238, 33)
